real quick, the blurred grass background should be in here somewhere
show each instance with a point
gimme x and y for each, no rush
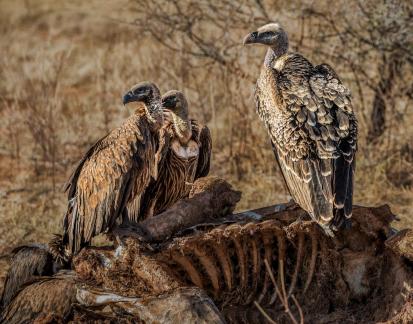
(65, 65)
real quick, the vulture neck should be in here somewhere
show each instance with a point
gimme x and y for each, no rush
(183, 128)
(273, 53)
(154, 113)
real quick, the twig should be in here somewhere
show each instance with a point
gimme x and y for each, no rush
(264, 313)
(300, 311)
(283, 297)
(287, 308)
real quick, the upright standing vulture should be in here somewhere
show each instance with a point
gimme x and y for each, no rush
(313, 130)
(184, 157)
(111, 179)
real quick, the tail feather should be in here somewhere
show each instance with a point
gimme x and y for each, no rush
(341, 181)
(343, 193)
(72, 239)
(348, 203)
(340, 221)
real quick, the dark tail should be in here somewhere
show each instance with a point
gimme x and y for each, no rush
(340, 220)
(343, 179)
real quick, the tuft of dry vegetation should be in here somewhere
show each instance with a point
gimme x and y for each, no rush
(64, 67)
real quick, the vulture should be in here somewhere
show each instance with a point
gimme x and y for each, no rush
(45, 300)
(27, 263)
(185, 156)
(312, 127)
(107, 185)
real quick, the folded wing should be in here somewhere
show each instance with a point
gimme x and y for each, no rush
(315, 138)
(113, 173)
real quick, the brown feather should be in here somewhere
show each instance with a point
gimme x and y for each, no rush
(113, 174)
(205, 149)
(27, 263)
(46, 300)
(313, 129)
(176, 174)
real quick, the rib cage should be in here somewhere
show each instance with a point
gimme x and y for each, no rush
(228, 261)
(352, 274)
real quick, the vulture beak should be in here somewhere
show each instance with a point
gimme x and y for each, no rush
(139, 94)
(168, 102)
(129, 97)
(251, 38)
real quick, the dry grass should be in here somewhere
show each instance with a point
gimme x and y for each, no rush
(63, 70)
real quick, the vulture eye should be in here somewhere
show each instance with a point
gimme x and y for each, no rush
(266, 34)
(138, 91)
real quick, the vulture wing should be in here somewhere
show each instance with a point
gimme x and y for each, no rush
(27, 263)
(313, 135)
(329, 92)
(143, 206)
(46, 300)
(116, 171)
(205, 147)
(70, 186)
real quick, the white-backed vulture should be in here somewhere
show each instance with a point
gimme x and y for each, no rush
(184, 158)
(109, 182)
(45, 300)
(312, 127)
(27, 263)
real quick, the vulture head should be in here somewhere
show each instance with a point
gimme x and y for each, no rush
(175, 102)
(148, 94)
(272, 35)
(175, 105)
(142, 92)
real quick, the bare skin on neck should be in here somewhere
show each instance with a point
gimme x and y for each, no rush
(183, 145)
(183, 129)
(176, 112)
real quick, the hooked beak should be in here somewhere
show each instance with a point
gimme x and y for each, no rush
(136, 95)
(251, 38)
(129, 97)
